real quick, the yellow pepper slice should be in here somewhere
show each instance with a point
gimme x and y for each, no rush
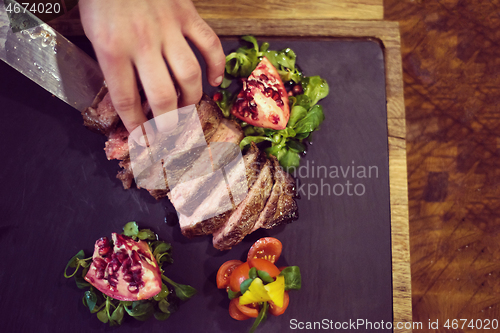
(276, 290)
(256, 293)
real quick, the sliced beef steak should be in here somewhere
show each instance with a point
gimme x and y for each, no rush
(286, 210)
(242, 220)
(102, 117)
(214, 209)
(198, 183)
(210, 116)
(198, 224)
(281, 206)
(117, 145)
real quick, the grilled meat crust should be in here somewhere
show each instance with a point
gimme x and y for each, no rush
(242, 220)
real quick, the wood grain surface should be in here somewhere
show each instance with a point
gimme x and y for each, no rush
(452, 89)
(70, 25)
(291, 9)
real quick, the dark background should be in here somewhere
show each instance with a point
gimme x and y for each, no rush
(59, 194)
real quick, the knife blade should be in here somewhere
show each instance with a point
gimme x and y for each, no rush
(48, 58)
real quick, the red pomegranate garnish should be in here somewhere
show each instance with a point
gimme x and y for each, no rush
(263, 101)
(126, 271)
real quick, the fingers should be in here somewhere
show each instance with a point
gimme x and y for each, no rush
(185, 69)
(159, 88)
(205, 39)
(121, 81)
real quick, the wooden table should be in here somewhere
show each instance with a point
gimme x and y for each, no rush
(450, 60)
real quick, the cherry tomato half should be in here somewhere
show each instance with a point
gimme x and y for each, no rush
(264, 265)
(276, 310)
(234, 312)
(268, 248)
(225, 271)
(239, 275)
(250, 310)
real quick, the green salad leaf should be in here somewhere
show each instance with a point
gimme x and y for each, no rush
(315, 88)
(293, 279)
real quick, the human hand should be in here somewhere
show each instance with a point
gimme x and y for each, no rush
(136, 39)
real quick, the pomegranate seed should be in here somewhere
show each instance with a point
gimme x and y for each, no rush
(113, 281)
(122, 256)
(114, 264)
(276, 95)
(297, 89)
(133, 289)
(135, 268)
(128, 278)
(137, 276)
(99, 263)
(100, 273)
(127, 263)
(102, 242)
(104, 246)
(135, 257)
(217, 97)
(264, 77)
(104, 251)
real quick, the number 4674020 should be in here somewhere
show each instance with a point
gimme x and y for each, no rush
(485, 324)
(41, 8)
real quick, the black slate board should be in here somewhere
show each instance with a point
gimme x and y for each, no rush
(59, 194)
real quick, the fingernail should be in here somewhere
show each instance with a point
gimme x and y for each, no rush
(146, 140)
(144, 134)
(218, 80)
(167, 122)
(142, 140)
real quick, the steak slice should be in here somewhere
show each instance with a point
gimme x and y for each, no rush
(243, 219)
(125, 174)
(198, 182)
(210, 116)
(101, 117)
(213, 211)
(281, 206)
(117, 145)
(197, 224)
